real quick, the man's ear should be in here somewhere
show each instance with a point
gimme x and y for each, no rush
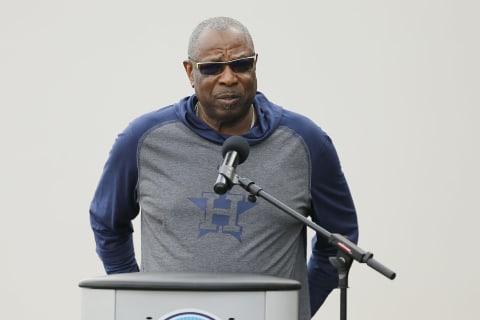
(189, 70)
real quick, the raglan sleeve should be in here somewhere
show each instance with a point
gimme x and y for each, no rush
(114, 206)
(333, 209)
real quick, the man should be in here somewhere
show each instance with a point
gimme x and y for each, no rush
(165, 162)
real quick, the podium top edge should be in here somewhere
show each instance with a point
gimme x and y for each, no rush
(170, 281)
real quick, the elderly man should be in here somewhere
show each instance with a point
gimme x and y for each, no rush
(164, 163)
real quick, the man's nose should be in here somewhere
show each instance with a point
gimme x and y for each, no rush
(228, 76)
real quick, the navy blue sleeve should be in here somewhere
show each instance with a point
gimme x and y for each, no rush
(332, 206)
(333, 209)
(114, 206)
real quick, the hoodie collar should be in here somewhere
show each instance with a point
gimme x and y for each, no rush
(268, 118)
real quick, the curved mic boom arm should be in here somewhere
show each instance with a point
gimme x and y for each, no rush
(344, 246)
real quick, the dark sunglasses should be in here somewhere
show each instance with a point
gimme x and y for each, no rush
(213, 68)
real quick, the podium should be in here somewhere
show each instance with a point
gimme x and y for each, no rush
(189, 296)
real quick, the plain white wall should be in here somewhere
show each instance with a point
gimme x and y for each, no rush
(395, 83)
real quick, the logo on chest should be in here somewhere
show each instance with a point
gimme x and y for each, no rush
(221, 213)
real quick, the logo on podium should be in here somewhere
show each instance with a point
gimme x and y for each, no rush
(189, 315)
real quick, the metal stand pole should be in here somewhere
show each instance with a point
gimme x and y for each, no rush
(342, 263)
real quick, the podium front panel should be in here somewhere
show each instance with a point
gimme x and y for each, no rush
(158, 304)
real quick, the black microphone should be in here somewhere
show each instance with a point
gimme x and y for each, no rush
(235, 151)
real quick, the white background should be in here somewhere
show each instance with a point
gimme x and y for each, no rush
(395, 83)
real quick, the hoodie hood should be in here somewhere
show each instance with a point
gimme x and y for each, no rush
(267, 120)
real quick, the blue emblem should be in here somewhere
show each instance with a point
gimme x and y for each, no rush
(221, 213)
(189, 315)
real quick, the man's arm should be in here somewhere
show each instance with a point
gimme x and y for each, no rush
(114, 206)
(333, 209)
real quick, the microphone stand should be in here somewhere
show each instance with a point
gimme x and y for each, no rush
(347, 251)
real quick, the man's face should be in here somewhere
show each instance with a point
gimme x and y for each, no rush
(226, 96)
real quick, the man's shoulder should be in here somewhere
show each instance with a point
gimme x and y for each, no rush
(157, 116)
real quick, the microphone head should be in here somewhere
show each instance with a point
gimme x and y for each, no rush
(238, 144)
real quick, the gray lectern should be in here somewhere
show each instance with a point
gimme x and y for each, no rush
(189, 296)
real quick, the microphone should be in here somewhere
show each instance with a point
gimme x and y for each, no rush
(235, 150)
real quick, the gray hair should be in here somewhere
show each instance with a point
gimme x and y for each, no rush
(216, 23)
